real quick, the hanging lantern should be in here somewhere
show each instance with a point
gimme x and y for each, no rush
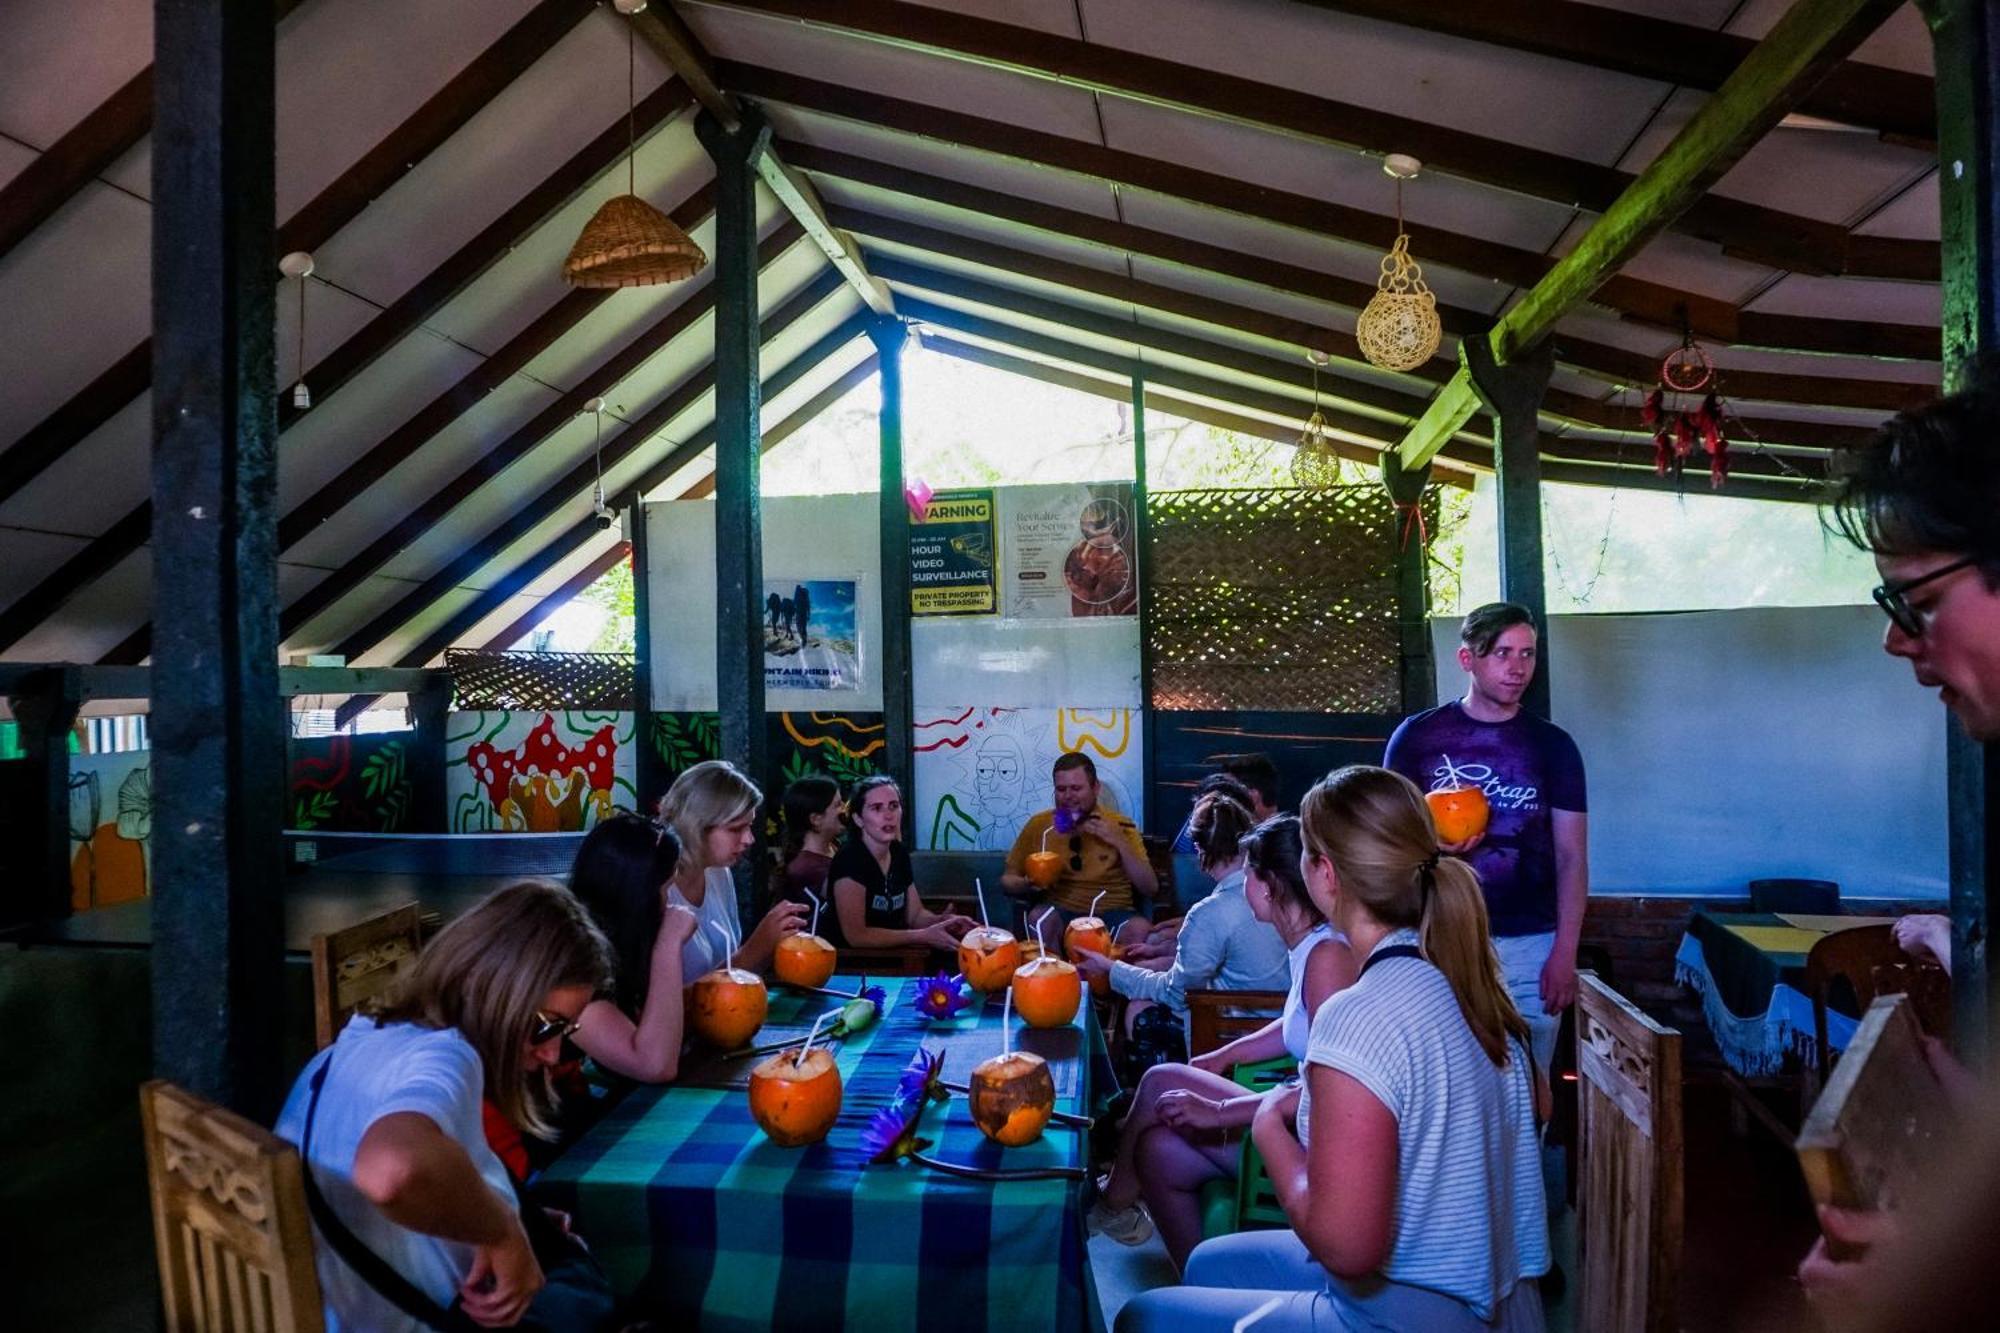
(298, 264)
(1315, 466)
(628, 242)
(1399, 328)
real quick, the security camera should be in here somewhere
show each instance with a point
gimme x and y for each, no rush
(605, 518)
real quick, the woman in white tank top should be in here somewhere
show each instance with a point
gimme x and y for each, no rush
(1187, 1121)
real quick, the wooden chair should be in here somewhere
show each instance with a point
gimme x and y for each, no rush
(1629, 1209)
(1867, 962)
(1218, 1017)
(360, 963)
(910, 961)
(229, 1219)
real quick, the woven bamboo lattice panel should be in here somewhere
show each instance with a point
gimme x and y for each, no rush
(1280, 599)
(540, 680)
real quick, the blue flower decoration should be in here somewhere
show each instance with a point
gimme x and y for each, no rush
(891, 1134)
(942, 996)
(920, 1079)
(876, 996)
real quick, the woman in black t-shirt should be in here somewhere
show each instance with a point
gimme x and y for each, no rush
(875, 899)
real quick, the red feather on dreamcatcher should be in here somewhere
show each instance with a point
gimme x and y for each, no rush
(1684, 372)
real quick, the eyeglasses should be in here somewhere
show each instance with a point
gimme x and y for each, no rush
(1893, 598)
(1076, 852)
(551, 1027)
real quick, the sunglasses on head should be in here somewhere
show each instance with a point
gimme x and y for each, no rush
(1893, 598)
(551, 1027)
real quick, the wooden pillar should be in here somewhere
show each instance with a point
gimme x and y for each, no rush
(1513, 395)
(217, 723)
(430, 808)
(650, 771)
(890, 336)
(45, 706)
(1965, 37)
(1142, 521)
(1409, 550)
(739, 532)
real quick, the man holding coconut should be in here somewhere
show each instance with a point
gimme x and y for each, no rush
(1532, 856)
(1096, 854)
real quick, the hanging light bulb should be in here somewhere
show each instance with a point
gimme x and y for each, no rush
(298, 264)
(598, 508)
(1399, 328)
(1315, 465)
(628, 242)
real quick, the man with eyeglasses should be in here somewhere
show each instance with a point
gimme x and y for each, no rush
(1924, 497)
(1101, 852)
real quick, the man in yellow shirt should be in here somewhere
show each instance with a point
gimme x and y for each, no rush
(1101, 852)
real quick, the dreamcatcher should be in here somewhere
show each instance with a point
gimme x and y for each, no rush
(1685, 373)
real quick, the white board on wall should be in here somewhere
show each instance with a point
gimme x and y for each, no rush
(805, 537)
(1024, 663)
(1727, 746)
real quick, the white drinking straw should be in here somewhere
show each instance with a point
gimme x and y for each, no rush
(1096, 900)
(814, 928)
(1045, 834)
(980, 890)
(728, 945)
(1257, 1314)
(800, 1057)
(1038, 933)
(1007, 1021)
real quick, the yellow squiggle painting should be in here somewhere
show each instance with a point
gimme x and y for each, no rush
(1087, 734)
(813, 742)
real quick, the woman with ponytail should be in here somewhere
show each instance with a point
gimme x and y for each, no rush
(1412, 1175)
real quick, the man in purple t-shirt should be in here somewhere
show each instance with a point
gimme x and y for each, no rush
(1533, 860)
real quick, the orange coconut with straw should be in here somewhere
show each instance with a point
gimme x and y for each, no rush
(1089, 934)
(1012, 1095)
(987, 955)
(1047, 990)
(805, 960)
(795, 1096)
(727, 1006)
(1460, 811)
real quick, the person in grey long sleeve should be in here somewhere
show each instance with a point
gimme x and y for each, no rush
(1222, 945)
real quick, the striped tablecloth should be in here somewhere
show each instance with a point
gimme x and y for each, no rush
(1749, 968)
(690, 1206)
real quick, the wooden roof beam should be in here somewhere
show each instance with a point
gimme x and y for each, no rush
(1634, 300)
(1895, 104)
(579, 534)
(1780, 240)
(1812, 37)
(1221, 314)
(1848, 337)
(574, 486)
(555, 601)
(343, 200)
(667, 34)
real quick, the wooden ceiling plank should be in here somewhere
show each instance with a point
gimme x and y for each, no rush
(372, 174)
(1782, 240)
(1811, 37)
(1891, 102)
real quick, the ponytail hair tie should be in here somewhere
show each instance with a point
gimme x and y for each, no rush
(1427, 868)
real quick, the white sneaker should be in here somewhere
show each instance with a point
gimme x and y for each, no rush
(1127, 1226)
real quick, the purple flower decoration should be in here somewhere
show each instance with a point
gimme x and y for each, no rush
(942, 996)
(1065, 820)
(919, 1080)
(891, 1134)
(876, 996)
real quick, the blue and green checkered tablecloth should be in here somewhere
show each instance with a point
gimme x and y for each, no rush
(689, 1206)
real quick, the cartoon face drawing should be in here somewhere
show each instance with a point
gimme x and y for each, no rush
(997, 777)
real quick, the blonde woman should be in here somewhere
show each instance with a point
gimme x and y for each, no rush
(1412, 1178)
(712, 808)
(388, 1119)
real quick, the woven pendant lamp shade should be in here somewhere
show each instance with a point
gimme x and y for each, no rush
(1399, 328)
(629, 243)
(1315, 466)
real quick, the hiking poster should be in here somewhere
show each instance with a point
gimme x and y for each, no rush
(812, 638)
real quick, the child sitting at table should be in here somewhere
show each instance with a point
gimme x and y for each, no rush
(1413, 1178)
(1185, 1125)
(621, 875)
(815, 819)
(399, 1175)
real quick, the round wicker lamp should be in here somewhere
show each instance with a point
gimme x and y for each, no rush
(1399, 328)
(1315, 465)
(629, 243)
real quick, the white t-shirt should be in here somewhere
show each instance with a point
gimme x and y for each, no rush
(376, 1072)
(1469, 1218)
(705, 951)
(1296, 1023)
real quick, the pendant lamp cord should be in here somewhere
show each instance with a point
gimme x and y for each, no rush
(304, 278)
(631, 100)
(599, 415)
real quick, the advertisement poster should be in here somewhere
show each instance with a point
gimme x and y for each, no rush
(952, 555)
(1071, 552)
(812, 640)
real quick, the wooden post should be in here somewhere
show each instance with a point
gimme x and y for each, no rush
(1142, 522)
(217, 723)
(1965, 36)
(45, 706)
(890, 336)
(1409, 549)
(430, 808)
(739, 530)
(1513, 394)
(650, 771)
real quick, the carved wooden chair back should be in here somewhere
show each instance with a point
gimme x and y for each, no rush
(1218, 1017)
(360, 963)
(1868, 962)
